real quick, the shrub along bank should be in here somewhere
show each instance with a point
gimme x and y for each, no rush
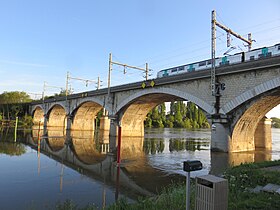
(242, 179)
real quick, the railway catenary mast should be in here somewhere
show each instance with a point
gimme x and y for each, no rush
(215, 85)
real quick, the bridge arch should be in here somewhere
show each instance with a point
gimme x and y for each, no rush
(79, 102)
(250, 94)
(166, 91)
(249, 118)
(57, 116)
(132, 111)
(38, 115)
(84, 115)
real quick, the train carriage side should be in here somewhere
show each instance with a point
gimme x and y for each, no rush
(262, 53)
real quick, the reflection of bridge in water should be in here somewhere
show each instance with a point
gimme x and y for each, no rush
(137, 174)
(81, 152)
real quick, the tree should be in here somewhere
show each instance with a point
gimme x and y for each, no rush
(275, 122)
(181, 115)
(13, 104)
(14, 97)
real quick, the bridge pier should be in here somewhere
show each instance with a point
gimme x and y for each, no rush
(263, 137)
(220, 135)
(46, 117)
(222, 139)
(104, 130)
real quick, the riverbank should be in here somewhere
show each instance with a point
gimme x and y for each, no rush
(242, 180)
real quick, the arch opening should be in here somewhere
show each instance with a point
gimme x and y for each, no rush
(253, 129)
(57, 117)
(85, 116)
(38, 116)
(133, 115)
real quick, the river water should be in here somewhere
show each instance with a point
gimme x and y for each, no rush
(38, 173)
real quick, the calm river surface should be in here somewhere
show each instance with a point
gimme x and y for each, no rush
(39, 173)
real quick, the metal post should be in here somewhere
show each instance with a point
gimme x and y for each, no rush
(44, 90)
(147, 71)
(109, 74)
(66, 88)
(188, 190)
(213, 38)
(98, 83)
(39, 139)
(119, 144)
(250, 41)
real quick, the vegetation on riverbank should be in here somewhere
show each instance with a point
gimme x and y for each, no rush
(181, 115)
(275, 122)
(12, 105)
(242, 179)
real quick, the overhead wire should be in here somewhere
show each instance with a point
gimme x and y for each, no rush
(157, 60)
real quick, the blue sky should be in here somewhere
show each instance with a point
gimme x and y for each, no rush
(42, 40)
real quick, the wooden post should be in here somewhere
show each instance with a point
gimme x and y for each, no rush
(16, 129)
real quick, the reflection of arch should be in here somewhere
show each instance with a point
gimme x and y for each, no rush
(38, 115)
(57, 116)
(56, 139)
(243, 134)
(84, 116)
(36, 132)
(55, 143)
(85, 148)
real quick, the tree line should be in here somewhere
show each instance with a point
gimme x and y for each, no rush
(15, 104)
(181, 115)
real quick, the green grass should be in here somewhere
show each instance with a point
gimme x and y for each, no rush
(240, 178)
(245, 177)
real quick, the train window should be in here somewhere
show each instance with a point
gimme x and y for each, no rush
(224, 61)
(209, 62)
(173, 70)
(165, 73)
(181, 68)
(203, 63)
(252, 58)
(278, 47)
(191, 68)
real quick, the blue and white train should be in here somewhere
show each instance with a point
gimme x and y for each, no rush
(256, 54)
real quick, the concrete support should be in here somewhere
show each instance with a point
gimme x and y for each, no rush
(46, 118)
(69, 119)
(263, 138)
(220, 135)
(104, 129)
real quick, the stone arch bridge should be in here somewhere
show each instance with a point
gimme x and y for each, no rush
(237, 115)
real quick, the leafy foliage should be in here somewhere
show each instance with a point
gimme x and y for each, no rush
(275, 122)
(181, 115)
(14, 104)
